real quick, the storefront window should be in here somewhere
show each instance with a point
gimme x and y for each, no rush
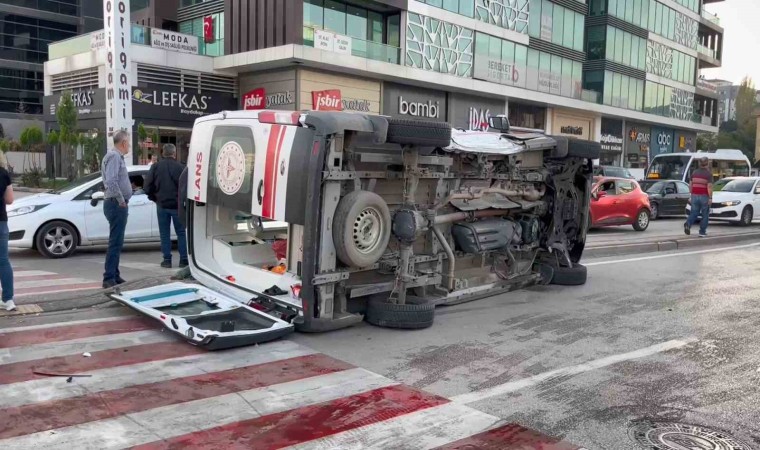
(527, 116)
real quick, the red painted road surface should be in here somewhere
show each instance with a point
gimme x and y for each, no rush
(149, 391)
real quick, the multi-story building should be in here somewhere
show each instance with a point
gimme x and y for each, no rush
(727, 93)
(623, 72)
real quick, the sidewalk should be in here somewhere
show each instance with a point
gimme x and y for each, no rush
(664, 235)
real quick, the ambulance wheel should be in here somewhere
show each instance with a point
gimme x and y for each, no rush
(419, 132)
(409, 316)
(361, 228)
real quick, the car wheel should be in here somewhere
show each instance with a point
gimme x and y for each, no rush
(642, 220)
(410, 316)
(57, 239)
(418, 132)
(570, 276)
(746, 218)
(655, 211)
(361, 228)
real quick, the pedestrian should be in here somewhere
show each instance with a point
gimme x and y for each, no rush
(118, 191)
(6, 271)
(162, 186)
(701, 197)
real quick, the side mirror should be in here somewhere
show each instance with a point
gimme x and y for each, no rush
(500, 122)
(96, 197)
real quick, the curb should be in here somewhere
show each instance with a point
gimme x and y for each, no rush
(667, 245)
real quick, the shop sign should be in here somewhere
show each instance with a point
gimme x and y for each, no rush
(258, 99)
(89, 103)
(169, 40)
(686, 141)
(496, 71)
(549, 82)
(707, 86)
(174, 105)
(331, 42)
(571, 130)
(472, 113)
(573, 126)
(633, 157)
(98, 40)
(332, 100)
(479, 119)
(662, 141)
(118, 74)
(639, 137)
(407, 101)
(612, 135)
(547, 23)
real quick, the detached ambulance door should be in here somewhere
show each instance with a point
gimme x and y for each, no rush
(281, 172)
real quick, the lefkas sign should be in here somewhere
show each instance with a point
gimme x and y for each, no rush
(418, 109)
(118, 68)
(194, 104)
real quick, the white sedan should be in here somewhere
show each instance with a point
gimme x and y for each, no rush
(57, 223)
(735, 199)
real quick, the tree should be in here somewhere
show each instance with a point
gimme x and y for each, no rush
(91, 146)
(31, 140)
(66, 115)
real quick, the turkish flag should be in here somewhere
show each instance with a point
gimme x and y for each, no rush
(208, 29)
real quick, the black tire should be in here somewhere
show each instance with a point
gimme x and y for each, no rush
(575, 148)
(746, 217)
(643, 217)
(570, 276)
(655, 211)
(57, 239)
(418, 132)
(361, 228)
(407, 316)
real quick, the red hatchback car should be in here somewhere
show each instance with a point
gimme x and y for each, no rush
(619, 201)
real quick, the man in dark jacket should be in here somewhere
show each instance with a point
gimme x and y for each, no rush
(162, 186)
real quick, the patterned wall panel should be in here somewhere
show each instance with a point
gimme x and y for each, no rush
(439, 46)
(510, 14)
(686, 31)
(659, 59)
(681, 104)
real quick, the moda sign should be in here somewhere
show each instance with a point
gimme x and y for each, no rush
(332, 100)
(169, 40)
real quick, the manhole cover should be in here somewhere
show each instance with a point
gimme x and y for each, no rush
(680, 436)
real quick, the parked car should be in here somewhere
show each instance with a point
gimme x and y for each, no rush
(383, 218)
(736, 200)
(619, 201)
(56, 223)
(613, 171)
(667, 198)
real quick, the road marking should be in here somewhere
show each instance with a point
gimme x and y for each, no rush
(42, 390)
(89, 286)
(145, 266)
(428, 428)
(59, 324)
(18, 337)
(670, 255)
(13, 355)
(516, 385)
(51, 282)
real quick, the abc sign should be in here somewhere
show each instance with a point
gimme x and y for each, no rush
(664, 139)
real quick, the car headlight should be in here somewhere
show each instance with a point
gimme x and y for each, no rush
(732, 203)
(20, 211)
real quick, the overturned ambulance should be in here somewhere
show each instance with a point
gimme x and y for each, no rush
(322, 219)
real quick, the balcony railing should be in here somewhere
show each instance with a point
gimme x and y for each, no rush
(711, 17)
(704, 120)
(706, 51)
(361, 48)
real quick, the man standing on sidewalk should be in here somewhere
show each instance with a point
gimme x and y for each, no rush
(701, 197)
(162, 187)
(118, 191)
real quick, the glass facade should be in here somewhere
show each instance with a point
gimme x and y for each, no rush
(25, 38)
(373, 35)
(556, 24)
(195, 27)
(463, 7)
(653, 16)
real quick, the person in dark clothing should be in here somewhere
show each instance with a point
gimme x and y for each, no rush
(162, 186)
(701, 197)
(6, 271)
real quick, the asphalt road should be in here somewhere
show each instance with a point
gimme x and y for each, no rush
(587, 363)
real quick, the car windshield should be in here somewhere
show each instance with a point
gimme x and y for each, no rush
(656, 188)
(77, 183)
(743, 185)
(669, 167)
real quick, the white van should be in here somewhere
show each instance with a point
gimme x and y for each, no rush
(679, 166)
